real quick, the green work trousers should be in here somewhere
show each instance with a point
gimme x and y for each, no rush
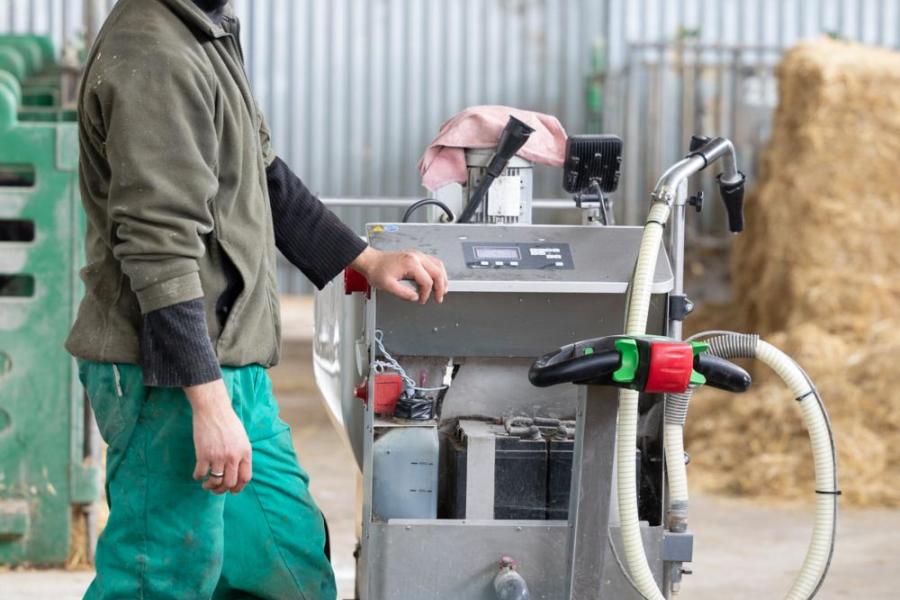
(167, 538)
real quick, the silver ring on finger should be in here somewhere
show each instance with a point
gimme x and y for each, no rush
(212, 475)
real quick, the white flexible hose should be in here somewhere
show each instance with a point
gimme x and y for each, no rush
(676, 470)
(818, 554)
(626, 434)
(730, 345)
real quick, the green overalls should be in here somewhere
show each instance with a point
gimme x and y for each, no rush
(167, 538)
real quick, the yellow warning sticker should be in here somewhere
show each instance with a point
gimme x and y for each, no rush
(377, 228)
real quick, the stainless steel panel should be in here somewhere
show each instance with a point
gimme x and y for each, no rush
(502, 325)
(603, 257)
(499, 387)
(410, 560)
(338, 332)
(413, 560)
(595, 449)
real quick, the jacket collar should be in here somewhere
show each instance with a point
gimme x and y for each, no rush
(196, 18)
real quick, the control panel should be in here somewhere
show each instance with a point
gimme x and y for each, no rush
(522, 255)
(559, 259)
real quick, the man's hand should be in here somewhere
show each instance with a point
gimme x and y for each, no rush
(386, 271)
(220, 441)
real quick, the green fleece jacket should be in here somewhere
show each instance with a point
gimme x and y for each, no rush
(173, 179)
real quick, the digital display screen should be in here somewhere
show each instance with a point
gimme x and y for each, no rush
(497, 253)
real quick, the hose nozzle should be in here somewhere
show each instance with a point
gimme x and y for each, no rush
(733, 198)
(731, 181)
(514, 136)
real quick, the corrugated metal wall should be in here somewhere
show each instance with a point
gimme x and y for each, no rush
(355, 89)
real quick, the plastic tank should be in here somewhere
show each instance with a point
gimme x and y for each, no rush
(405, 474)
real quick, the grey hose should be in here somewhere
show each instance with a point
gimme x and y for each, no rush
(729, 346)
(818, 559)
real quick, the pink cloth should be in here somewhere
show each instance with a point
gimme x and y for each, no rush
(480, 127)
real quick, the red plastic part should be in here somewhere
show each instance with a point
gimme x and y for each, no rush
(671, 365)
(354, 281)
(388, 387)
(362, 391)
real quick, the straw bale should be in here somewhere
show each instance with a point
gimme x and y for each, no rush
(818, 274)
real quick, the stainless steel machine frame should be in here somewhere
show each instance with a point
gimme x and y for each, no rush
(530, 311)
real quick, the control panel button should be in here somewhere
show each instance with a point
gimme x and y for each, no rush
(499, 263)
(485, 263)
(514, 263)
(560, 263)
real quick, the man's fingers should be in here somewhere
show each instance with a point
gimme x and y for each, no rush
(427, 272)
(438, 272)
(401, 290)
(245, 474)
(201, 469)
(212, 482)
(422, 277)
(231, 475)
(229, 481)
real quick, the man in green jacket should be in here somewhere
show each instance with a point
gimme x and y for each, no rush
(186, 203)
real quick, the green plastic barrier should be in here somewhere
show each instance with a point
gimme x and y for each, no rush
(22, 57)
(12, 61)
(12, 84)
(43, 42)
(30, 50)
(43, 467)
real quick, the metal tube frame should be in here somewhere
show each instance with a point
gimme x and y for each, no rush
(591, 498)
(672, 189)
(406, 202)
(676, 251)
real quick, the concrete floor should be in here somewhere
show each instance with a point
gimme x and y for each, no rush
(743, 551)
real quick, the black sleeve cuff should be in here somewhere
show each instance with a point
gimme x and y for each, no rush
(308, 234)
(175, 347)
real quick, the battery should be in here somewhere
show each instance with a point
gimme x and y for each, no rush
(559, 478)
(520, 479)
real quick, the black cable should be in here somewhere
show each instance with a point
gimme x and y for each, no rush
(604, 209)
(428, 202)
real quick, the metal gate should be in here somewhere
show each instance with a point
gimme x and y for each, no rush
(667, 92)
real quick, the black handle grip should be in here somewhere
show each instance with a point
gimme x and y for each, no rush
(733, 197)
(698, 141)
(721, 373)
(564, 366)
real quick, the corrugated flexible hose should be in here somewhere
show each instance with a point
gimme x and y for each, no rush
(818, 556)
(626, 433)
(736, 345)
